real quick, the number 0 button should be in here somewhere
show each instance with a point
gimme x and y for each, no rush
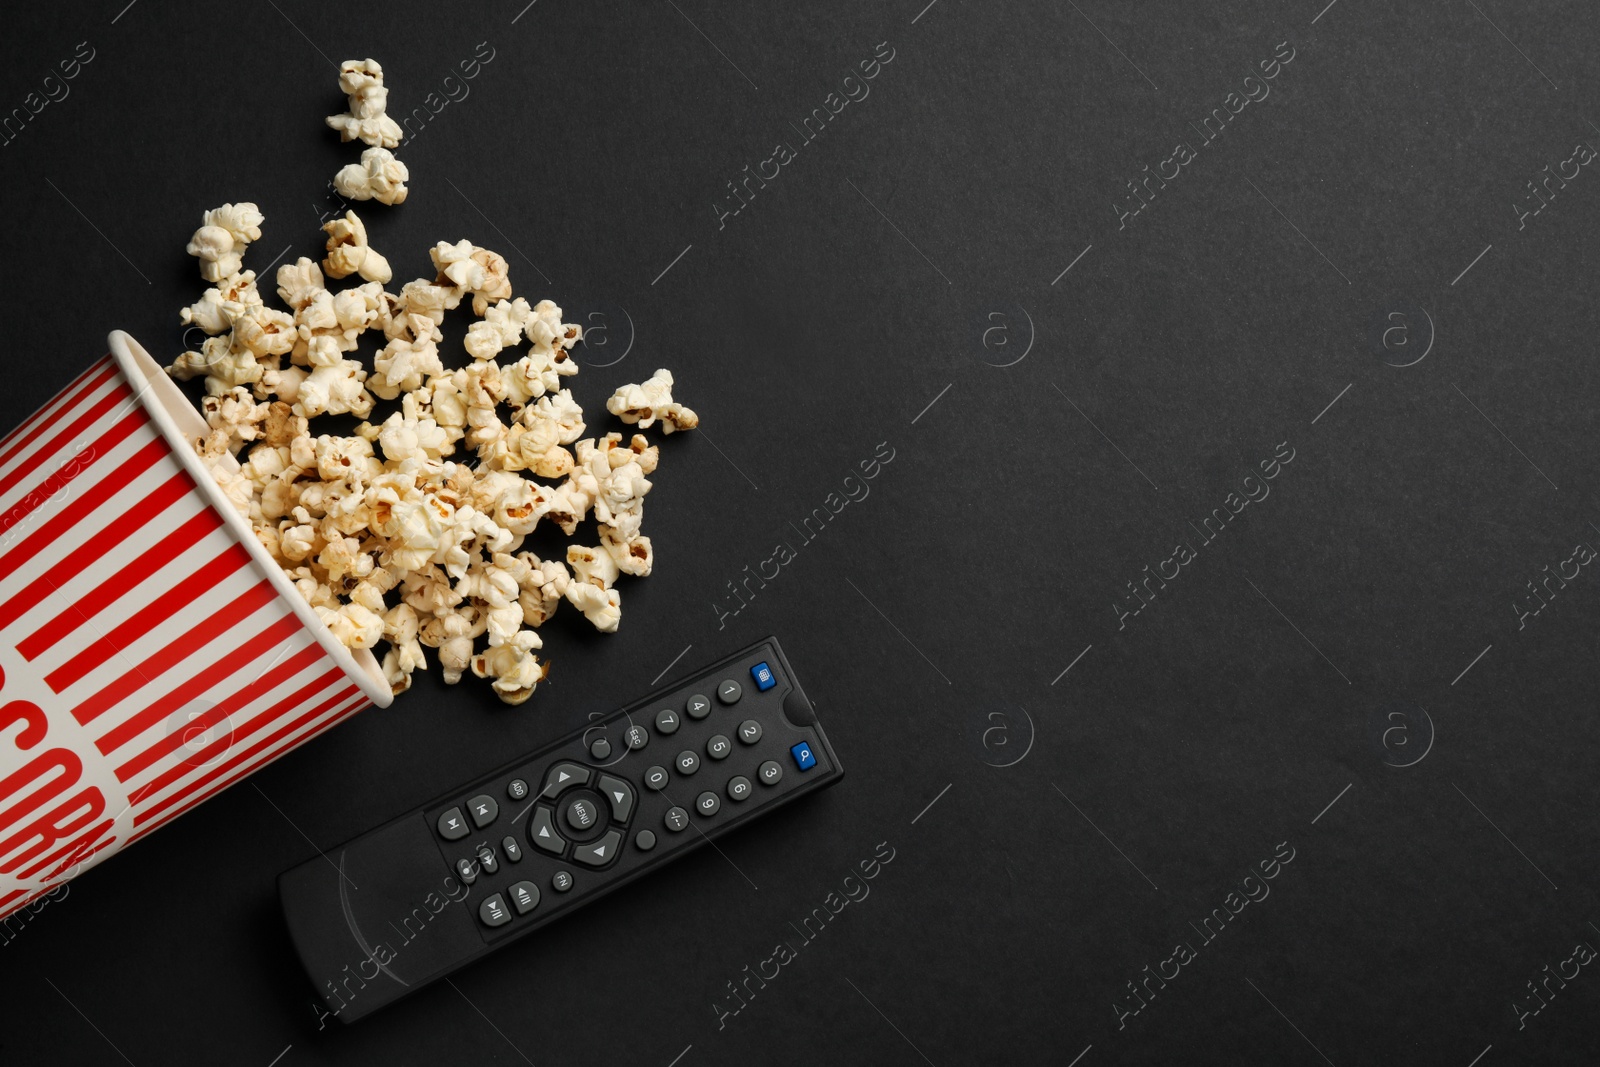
(655, 779)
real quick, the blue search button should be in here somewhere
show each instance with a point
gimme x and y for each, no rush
(763, 676)
(803, 757)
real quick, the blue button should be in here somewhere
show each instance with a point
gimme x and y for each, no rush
(763, 676)
(803, 757)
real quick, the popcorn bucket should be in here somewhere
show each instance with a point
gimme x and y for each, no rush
(151, 652)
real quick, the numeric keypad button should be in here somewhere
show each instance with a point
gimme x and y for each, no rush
(707, 804)
(667, 721)
(699, 706)
(719, 747)
(770, 773)
(729, 691)
(687, 762)
(749, 731)
(677, 820)
(739, 788)
(655, 779)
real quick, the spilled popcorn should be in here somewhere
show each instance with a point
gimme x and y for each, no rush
(388, 538)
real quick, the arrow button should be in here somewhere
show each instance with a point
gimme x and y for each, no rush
(599, 853)
(542, 831)
(563, 776)
(620, 794)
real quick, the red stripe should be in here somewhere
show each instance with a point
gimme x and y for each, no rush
(264, 743)
(31, 430)
(77, 427)
(255, 725)
(177, 697)
(73, 851)
(97, 492)
(173, 653)
(147, 563)
(98, 543)
(268, 681)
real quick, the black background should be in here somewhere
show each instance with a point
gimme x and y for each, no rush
(932, 621)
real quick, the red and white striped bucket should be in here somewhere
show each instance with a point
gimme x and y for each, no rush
(151, 652)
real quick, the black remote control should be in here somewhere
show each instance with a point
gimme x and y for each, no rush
(389, 911)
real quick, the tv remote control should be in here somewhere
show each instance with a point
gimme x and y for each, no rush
(397, 907)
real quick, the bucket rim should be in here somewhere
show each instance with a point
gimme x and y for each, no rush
(140, 368)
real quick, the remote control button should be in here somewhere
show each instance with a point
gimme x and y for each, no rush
(517, 790)
(619, 795)
(542, 831)
(707, 804)
(524, 897)
(484, 810)
(600, 748)
(493, 911)
(749, 731)
(803, 757)
(763, 676)
(637, 737)
(487, 861)
(667, 721)
(719, 747)
(677, 819)
(770, 773)
(739, 788)
(467, 870)
(601, 852)
(561, 881)
(564, 776)
(453, 825)
(644, 840)
(729, 691)
(583, 815)
(699, 706)
(655, 779)
(509, 846)
(688, 762)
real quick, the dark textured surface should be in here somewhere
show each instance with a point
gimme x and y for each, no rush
(931, 622)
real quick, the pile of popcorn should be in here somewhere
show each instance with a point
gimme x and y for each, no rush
(384, 534)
